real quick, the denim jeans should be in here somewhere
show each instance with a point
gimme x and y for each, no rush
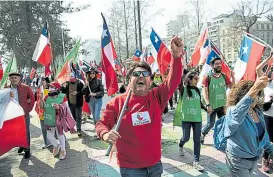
(77, 115)
(44, 132)
(197, 127)
(95, 106)
(239, 167)
(153, 171)
(211, 119)
(269, 127)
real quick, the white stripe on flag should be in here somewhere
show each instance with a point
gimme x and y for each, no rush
(239, 69)
(109, 54)
(41, 44)
(206, 68)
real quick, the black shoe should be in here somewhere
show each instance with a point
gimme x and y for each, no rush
(79, 133)
(27, 154)
(20, 150)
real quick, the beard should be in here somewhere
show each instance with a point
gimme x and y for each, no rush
(218, 69)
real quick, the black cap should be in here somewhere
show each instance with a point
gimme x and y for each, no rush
(14, 74)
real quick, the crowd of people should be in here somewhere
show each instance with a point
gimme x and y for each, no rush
(247, 109)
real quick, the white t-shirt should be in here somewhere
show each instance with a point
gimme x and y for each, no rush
(268, 93)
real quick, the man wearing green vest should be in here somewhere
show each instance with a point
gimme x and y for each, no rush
(214, 93)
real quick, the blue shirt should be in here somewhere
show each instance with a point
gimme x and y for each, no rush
(242, 132)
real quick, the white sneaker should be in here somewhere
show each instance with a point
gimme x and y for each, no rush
(181, 151)
(62, 155)
(56, 150)
(197, 166)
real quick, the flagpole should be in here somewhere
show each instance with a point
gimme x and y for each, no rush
(116, 128)
(258, 39)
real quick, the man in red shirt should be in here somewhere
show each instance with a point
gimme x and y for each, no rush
(214, 93)
(138, 141)
(24, 96)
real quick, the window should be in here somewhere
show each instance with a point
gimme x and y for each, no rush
(267, 26)
(258, 27)
(267, 41)
(221, 21)
(262, 26)
(267, 33)
(229, 56)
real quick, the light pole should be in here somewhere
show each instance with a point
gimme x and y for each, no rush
(63, 41)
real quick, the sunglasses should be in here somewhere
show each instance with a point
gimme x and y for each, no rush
(138, 73)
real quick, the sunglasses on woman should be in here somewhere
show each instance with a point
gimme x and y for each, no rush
(138, 73)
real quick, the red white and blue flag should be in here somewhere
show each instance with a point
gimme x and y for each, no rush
(160, 52)
(204, 52)
(108, 60)
(13, 130)
(137, 56)
(214, 53)
(198, 49)
(250, 56)
(42, 52)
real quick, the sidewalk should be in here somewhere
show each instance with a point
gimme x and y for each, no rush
(85, 156)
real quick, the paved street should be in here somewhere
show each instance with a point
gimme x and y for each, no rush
(85, 156)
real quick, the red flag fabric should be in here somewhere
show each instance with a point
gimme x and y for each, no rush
(13, 131)
(32, 73)
(1, 69)
(42, 52)
(64, 75)
(108, 60)
(160, 51)
(196, 55)
(250, 56)
(47, 70)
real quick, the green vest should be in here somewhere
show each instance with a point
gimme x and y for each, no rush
(217, 92)
(50, 112)
(191, 107)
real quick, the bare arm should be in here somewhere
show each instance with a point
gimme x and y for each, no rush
(205, 95)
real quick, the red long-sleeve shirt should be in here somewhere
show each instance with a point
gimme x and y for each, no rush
(140, 142)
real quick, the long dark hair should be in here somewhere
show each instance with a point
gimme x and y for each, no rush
(190, 75)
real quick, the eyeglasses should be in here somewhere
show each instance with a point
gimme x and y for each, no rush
(138, 73)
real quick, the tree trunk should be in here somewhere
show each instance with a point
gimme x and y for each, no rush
(135, 26)
(126, 28)
(139, 23)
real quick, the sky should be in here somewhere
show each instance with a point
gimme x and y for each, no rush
(88, 23)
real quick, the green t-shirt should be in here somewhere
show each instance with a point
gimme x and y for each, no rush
(50, 112)
(191, 107)
(217, 92)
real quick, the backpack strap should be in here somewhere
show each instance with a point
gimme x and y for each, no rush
(210, 75)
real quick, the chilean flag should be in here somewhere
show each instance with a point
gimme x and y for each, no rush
(137, 56)
(198, 49)
(42, 52)
(13, 130)
(207, 67)
(150, 59)
(250, 56)
(160, 51)
(204, 51)
(108, 60)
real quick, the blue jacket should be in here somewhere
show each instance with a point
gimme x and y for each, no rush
(242, 132)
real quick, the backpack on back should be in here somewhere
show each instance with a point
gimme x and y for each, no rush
(218, 135)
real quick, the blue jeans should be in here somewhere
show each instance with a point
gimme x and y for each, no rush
(44, 132)
(95, 106)
(211, 119)
(197, 127)
(153, 171)
(239, 167)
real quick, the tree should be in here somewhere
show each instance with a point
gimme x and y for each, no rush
(247, 13)
(21, 24)
(270, 17)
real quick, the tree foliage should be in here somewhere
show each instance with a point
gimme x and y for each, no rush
(21, 24)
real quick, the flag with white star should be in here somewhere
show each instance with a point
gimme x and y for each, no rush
(250, 56)
(160, 52)
(108, 60)
(137, 56)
